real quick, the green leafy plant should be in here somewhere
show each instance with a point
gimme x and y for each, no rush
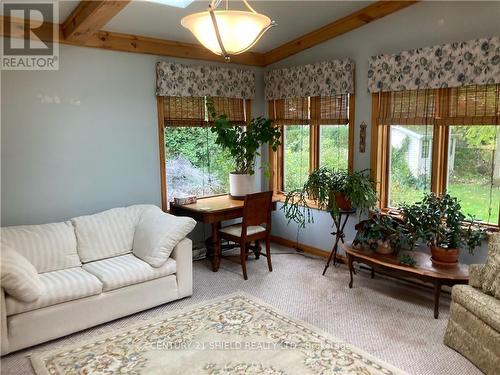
(439, 221)
(243, 143)
(379, 228)
(407, 260)
(321, 187)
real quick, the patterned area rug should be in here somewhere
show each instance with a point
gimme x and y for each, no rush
(234, 334)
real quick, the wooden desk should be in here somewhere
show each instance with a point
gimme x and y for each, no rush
(213, 210)
(424, 270)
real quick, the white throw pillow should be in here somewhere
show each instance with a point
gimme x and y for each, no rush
(19, 277)
(157, 234)
(48, 247)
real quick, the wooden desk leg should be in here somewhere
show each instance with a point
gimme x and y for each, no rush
(373, 273)
(437, 293)
(215, 247)
(351, 268)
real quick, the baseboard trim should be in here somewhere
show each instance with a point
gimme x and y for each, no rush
(306, 248)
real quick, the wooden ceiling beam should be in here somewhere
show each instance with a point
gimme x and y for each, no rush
(133, 43)
(341, 26)
(89, 17)
(153, 46)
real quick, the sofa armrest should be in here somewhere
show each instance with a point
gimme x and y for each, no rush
(4, 335)
(476, 275)
(183, 255)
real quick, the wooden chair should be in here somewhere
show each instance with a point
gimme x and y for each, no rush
(256, 212)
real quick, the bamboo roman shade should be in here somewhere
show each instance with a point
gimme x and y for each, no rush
(192, 111)
(467, 105)
(412, 107)
(470, 105)
(184, 111)
(333, 110)
(291, 111)
(324, 110)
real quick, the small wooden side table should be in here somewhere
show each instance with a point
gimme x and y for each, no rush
(424, 270)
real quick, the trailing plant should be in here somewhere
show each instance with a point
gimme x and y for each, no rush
(321, 187)
(379, 228)
(242, 142)
(439, 221)
(407, 260)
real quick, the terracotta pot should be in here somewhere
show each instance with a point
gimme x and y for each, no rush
(342, 202)
(384, 247)
(443, 257)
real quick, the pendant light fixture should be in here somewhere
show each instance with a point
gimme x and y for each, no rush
(227, 32)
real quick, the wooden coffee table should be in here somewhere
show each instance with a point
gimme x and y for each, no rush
(424, 270)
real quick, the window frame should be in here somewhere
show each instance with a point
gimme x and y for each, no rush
(247, 107)
(380, 157)
(277, 158)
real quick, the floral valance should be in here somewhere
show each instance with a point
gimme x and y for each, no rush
(475, 62)
(182, 80)
(328, 78)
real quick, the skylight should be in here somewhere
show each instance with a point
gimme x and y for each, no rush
(173, 3)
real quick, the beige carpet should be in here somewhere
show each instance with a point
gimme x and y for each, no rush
(390, 320)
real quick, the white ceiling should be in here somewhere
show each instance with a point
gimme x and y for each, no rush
(294, 18)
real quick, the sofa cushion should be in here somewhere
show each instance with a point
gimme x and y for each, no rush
(108, 233)
(58, 287)
(126, 270)
(157, 234)
(492, 267)
(49, 247)
(19, 277)
(483, 306)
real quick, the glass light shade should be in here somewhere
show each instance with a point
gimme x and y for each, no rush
(239, 30)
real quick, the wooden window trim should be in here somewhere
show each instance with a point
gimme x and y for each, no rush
(161, 147)
(380, 151)
(276, 158)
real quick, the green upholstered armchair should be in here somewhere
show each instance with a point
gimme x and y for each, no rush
(474, 326)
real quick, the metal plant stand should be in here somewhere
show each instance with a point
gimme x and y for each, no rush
(339, 234)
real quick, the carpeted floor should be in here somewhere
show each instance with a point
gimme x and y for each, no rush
(389, 319)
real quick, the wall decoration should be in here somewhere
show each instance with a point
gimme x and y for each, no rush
(475, 62)
(183, 80)
(328, 78)
(362, 137)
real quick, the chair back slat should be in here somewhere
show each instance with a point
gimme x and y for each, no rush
(257, 209)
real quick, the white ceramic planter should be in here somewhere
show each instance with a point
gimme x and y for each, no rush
(241, 185)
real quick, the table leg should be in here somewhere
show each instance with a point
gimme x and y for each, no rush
(351, 268)
(373, 273)
(437, 293)
(215, 247)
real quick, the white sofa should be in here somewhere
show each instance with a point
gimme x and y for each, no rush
(89, 275)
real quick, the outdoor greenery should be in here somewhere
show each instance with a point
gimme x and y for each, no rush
(473, 172)
(195, 164)
(322, 186)
(334, 141)
(439, 221)
(243, 143)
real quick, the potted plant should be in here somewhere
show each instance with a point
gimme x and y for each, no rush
(440, 223)
(380, 233)
(330, 190)
(243, 144)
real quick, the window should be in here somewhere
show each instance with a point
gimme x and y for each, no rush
(410, 170)
(439, 140)
(193, 163)
(316, 132)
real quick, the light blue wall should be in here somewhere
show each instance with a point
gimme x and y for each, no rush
(424, 24)
(82, 139)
